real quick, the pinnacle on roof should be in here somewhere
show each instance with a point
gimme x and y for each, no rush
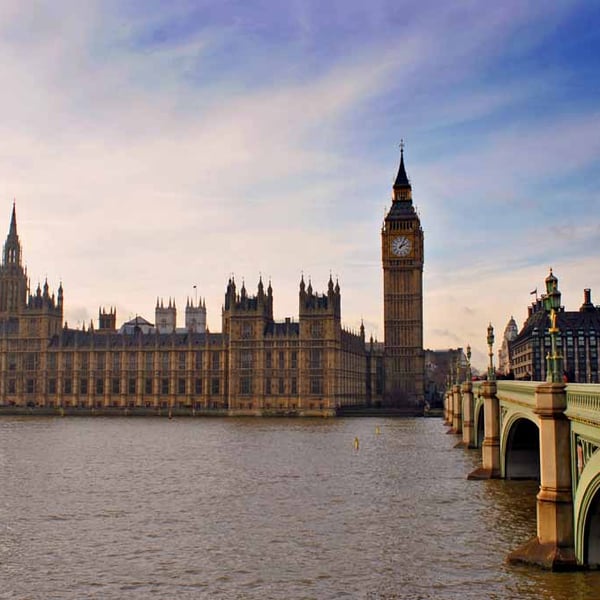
(402, 178)
(13, 222)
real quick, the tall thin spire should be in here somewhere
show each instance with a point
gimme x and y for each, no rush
(402, 178)
(13, 221)
(12, 247)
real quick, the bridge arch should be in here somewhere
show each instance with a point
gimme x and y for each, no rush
(478, 421)
(520, 447)
(587, 514)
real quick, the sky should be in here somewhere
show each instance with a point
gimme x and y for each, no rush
(156, 146)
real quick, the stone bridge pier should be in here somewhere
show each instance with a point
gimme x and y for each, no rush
(554, 545)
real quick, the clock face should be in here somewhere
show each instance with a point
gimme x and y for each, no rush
(401, 246)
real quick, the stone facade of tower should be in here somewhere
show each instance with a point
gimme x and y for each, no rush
(195, 316)
(402, 257)
(165, 316)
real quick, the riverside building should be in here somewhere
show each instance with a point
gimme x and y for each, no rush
(256, 365)
(577, 344)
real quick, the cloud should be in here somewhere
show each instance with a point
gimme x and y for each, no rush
(156, 149)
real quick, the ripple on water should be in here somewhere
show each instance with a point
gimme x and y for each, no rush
(243, 508)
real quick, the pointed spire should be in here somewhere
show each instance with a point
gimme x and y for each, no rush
(13, 221)
(402, 177)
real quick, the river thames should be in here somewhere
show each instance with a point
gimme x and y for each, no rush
(259, 508)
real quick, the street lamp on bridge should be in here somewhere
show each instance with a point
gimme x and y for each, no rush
(469, 375)
(552, 305)
(490, 343)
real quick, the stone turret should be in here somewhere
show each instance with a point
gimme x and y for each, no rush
(165, 316)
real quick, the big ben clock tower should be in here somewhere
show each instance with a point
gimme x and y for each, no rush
(402, 257)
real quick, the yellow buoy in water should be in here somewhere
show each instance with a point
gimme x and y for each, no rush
(356, 443)
(377, 430)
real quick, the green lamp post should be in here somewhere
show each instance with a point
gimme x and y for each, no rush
(554, 366)
(490, 343)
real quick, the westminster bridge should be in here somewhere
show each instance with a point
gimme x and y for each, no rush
(544, 431)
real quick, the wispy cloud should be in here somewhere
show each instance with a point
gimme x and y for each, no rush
(154, 147)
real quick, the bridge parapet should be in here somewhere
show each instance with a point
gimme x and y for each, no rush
(517, 392)
(583, 403)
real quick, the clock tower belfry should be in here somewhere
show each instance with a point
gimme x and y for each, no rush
(402, 258)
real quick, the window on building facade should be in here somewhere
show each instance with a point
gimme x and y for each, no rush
(67, 385)
(281, 386)
(132, 361)
(164, 386)
(164, 361)
(181, 386)
(294, 360)
(198, 385)
(12, 386)
(116, 385)
(52, 386)
(116, 361)
(149, 361)
(84, 360)
(316, 329)
(131, 385)
(100, 361)
(268, 386)
(293, 386)
(245, 359)
(269, 360)
(83, 386)
(215, 386)
(148, 385)
(281, 359)
(245, 385)
(31, 360)
(68, 361)
(51, 361)
(198, 361)
(316, 358)
(181, 360)
(316, 385)
(30, 386)
(246, 330)
(216, 361)
(99, 385)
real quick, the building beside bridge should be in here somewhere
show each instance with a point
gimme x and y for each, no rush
(578, 343)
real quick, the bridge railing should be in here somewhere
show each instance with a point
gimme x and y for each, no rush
(583, 402)
(519, 392)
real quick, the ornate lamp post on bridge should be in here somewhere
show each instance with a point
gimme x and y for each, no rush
(469, 375)
(490, 343)
(554, 364)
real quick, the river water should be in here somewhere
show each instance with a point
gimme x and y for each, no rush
(259, 508)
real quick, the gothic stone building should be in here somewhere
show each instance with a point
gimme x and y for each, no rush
(311, 366)
(255, 366)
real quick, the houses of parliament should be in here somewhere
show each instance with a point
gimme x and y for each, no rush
(309, 366)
